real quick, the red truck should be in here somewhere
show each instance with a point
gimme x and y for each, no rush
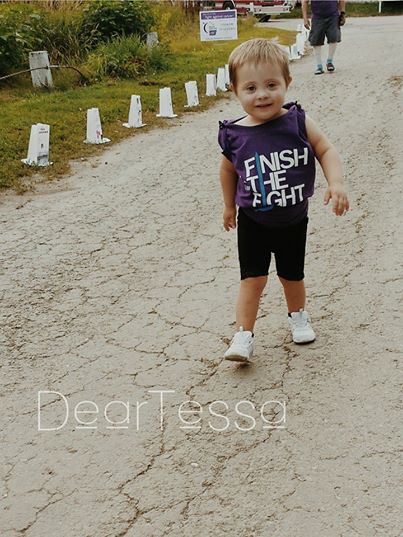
(261, 9)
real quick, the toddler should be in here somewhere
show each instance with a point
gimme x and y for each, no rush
(268, 171)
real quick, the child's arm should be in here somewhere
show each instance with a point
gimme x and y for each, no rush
(330, 161)
(228, 179)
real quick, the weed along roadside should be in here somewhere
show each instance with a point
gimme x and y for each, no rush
(64, 108)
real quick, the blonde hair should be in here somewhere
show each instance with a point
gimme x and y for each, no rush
(257, 51)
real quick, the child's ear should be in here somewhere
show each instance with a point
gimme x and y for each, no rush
(289, 82)
(232, 88)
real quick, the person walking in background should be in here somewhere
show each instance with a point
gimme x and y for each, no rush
(327, 18)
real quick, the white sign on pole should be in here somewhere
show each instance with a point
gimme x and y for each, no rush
(218, 25)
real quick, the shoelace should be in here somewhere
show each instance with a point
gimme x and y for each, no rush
(301, 321)
(242, 337)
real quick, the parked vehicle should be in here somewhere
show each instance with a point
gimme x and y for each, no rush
(263, 10)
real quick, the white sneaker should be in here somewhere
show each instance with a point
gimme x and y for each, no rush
(241, 348)
(301, 329)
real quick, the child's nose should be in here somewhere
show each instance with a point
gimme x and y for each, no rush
(262, 92)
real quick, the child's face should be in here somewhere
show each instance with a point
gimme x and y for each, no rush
(261, 91)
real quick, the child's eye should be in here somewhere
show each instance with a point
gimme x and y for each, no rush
(250, 88)
(272, 86)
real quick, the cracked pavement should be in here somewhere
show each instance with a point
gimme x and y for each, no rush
(119, 280)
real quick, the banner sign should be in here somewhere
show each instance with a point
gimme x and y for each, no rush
(218, 25)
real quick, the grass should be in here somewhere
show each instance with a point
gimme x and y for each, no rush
(356, 9)
(64, 108)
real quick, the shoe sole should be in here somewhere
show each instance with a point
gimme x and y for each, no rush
(304, 342)
(237, 358)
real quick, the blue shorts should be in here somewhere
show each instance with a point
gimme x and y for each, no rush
(256, 243)
(321, 28)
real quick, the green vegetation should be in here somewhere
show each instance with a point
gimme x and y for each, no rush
(117, 18)
(125, 57)
(356, 9)
(69, 33)
(180, 57)
(370, 9)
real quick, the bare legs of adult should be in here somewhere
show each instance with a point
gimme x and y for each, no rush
(318, 58)
(329, 62)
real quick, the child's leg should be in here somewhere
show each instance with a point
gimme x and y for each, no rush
(247, 306)
(290, 261)
(290, 258)
(298, 318)
(294, 292)
(254, 261)
(250, 291)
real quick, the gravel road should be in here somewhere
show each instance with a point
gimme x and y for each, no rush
(118, 283)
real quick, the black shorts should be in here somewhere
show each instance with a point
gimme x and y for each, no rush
(324, 27)
(256, 243)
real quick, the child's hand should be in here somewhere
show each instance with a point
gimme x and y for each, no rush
(229, 216)
(337, 194)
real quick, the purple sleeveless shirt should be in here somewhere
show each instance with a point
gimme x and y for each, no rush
(322, 9)
(275, 165)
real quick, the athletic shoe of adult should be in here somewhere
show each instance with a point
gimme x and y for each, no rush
(301, 328)
(241, 348)
(329, 66)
